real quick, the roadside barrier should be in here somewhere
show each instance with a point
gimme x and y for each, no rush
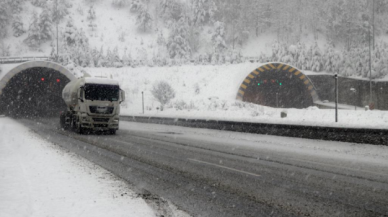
(353, 135)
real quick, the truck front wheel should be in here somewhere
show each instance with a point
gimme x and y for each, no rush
(78, 128)
(112, 131)
(77, 125)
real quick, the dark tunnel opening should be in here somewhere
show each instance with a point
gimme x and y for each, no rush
(34, 92)
(276, 88)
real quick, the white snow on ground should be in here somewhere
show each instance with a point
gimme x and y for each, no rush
(39, 179)
(209, 92)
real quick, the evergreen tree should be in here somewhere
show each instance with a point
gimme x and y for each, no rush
(39, 3)
(16, 6)
(40, 29)
(4, 18)
(4, 50)
(166, 7)
(91, 60)
(59, 10)
(34, 38)
(94, 57)
(170, 9)
(135, 5)
(81, 40)
(233, 10)
(92, 19)
(102, 57)
(91, 13)
(160, 39)
(45, 25)
(126, 58)
(381, 6)
(70, 33)
(178, 45)
(109, 59)
(218, 37)
(144, 20)
(260, 18)
(17, 27)
(161, 50)
(92, 25)
(203, 11)
(115, 55)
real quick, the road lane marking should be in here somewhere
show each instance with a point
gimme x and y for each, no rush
(224, 167)
(337, 167)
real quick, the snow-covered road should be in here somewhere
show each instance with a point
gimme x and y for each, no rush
(38, 179)
(204, 172)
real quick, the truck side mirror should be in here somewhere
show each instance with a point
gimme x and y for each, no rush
(81, 94)
(122, 96)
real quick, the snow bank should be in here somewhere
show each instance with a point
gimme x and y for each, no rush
(38, 179)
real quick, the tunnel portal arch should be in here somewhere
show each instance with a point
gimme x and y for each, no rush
(278, 85)
(34, 89)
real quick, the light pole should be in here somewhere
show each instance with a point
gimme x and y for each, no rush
(336, 97)
(373, 22)
(56, 22)
(142, 100)
(370, 67)
(371, 25)
(380, 98)
(354, 91)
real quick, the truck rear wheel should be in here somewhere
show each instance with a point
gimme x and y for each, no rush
(62, 120)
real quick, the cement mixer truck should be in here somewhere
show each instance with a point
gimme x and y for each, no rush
(93, 104)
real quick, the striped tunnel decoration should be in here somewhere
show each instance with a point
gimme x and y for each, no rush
(275, 72)
(34, 64)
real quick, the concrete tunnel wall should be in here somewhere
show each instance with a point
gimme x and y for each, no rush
(28, 69)
(278, 85)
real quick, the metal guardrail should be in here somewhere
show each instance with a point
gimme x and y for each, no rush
(354, 135)
(10, 60)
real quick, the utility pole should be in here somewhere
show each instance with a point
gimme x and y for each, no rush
(336, 97)
(142, 100)
(373, 22)
(371, 41)
(355, 101)
(370, 66)
(56, 21)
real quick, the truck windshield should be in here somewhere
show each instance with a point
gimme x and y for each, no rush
(102, 92)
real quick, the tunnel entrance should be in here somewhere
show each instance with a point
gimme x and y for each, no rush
(277, 85)
(34, 92)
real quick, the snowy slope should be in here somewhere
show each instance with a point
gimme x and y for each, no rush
(112, 22)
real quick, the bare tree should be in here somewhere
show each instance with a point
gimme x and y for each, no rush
(163, 92)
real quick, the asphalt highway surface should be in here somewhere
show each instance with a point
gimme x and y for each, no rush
(207, 175)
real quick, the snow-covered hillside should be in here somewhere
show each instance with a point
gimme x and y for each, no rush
(322, 36)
